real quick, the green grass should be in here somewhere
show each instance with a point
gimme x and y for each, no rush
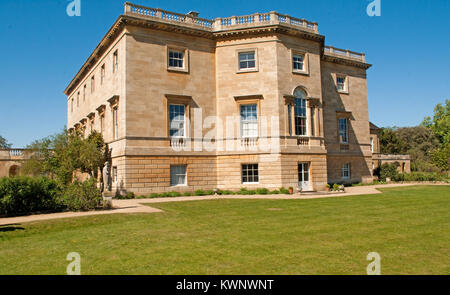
(409, 228)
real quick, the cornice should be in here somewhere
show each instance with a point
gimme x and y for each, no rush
(345, 61)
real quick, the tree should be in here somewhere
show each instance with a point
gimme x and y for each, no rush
(440, 124)
(390, 142)
(4, 143)
(61, 155)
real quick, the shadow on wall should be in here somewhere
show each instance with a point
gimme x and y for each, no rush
(351, 153)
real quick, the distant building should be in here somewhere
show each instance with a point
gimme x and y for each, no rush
(283, 109)
(403, 161)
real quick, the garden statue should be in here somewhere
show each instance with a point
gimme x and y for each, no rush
(106, 177)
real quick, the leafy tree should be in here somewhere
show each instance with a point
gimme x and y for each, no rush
(390, 142)
(440, 124)
(4, 143)
(61, 155)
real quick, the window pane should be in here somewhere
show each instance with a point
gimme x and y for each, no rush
(178, 175)
(250, 173)
(177, 120)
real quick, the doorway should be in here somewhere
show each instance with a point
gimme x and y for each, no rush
(303, 176)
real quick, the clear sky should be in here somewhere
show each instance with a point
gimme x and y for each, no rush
(42, 48)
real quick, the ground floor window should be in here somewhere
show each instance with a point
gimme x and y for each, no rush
(114, 174)
(345, 171)
(178, 175)
(250, 173)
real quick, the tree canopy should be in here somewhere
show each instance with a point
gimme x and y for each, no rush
(61, 155)
(4, 143)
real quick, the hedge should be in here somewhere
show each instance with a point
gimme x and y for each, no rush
(22, 195)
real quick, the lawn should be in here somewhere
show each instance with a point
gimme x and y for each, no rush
(409, 227)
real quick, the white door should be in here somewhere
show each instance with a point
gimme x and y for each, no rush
(303, 177)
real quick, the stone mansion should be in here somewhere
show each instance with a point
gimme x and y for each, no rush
(187, 103)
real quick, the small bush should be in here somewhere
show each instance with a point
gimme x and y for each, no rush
(187, 194)
(262, 191)
(388, 170)
(82, 196)
(154, 195)
(199, 192)
(22, 195)
(226, 192)
(275, 192)
(128, 196)
(284, 191)
(336, 187)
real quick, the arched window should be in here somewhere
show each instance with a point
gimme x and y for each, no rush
(300, 112)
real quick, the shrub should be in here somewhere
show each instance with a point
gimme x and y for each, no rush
(262, 191)
(388, 170)
(226, 192)
(154, 195)
(82, 196)
(275, 192)
(128, 196)
(210, 192)
(199, 192)
(22, 195)
(284, 191)
(336, 187)
(421, 176)
(187, 194)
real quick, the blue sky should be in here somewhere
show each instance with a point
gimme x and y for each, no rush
(42, 48)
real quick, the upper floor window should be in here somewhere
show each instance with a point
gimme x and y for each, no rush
(247, 60)
(341, 83)
(343, 130)
(115, 123)
(298, 62)
(114, 178)
(300, 112)
(102, 124)
(249, 121)
(345, 171)
(115, 61)
(78, 99)
(84, 92)
(371, 144)
(71, 106)
(177, 120)
(92, 84)
(176, 59)
(102, 74)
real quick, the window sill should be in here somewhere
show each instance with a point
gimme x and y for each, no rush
(178, 70)
(250, 183)
(247, 71)
(304, 73)
(179, 185)
(342, 91)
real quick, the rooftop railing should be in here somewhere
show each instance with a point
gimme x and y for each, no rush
(330, 50)
(220, 24)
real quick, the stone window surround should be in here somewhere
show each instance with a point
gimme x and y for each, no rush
(346, 83)
(178, 99)
(185, 175)
(348, 116)
(244, 50)
(311, 102)
(295, 51)
(114, 105)
(183, 49)
(101, 113)
(248, 100)
(346, 167)
(91, 117)
(115, 60)
(253, 176)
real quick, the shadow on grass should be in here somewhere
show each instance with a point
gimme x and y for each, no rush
(10, 227)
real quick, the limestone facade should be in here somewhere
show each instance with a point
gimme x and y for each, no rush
(270, 69)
